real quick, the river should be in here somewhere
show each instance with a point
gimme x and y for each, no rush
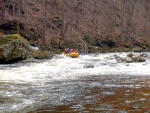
(92, 83)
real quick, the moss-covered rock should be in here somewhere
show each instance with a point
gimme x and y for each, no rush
(13, 48)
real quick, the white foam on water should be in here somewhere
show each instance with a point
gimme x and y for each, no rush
(73, 68)
(63, 68)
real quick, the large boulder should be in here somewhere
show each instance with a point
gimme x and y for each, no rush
(13, 48)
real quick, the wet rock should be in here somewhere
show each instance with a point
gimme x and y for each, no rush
(130, 58)
(138, 58)
(143, 55)
(135, 58)
(130, 54)
(141, 60)
(13, 48)
(119, 59)
(129, 61)
(88, 66)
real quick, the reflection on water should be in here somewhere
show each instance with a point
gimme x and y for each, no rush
(89, 84)
(102, 94)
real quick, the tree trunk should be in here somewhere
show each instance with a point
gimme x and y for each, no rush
(44, 21)
(94, 18)
(62, 27)
(122, 22)
(18, 16)
(25, 16)
(2, 11)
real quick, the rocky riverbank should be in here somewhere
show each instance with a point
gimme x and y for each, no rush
(15, 48)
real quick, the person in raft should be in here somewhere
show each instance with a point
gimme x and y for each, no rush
(67, 51)
(78, 51)
(75, 50)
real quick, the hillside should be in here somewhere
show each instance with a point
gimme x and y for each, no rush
(94, 25)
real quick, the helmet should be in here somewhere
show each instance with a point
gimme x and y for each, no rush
(66, 49)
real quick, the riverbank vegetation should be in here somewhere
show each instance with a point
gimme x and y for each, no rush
(90, 26)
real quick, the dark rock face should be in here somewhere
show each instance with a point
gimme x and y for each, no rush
(10, 27)
(13, 48)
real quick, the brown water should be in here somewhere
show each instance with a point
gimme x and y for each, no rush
(106, 94)
(92, 83)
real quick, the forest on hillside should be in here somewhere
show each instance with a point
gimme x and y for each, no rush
(98, 23)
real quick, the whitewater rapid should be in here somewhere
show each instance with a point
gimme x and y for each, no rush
(63, 68)
(31, 83)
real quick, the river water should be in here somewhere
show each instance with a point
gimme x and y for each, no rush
(92, 83)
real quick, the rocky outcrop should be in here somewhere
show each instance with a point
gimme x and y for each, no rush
(130, 58)
(13, 48)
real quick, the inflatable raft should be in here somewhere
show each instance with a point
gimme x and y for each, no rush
(72, 54)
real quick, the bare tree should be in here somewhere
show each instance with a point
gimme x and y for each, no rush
(146, 19)
(115, 17)
(94, 17)
(44, 20)
(2, 11)
(101, 18)
(129, 23)
(122, 20)
(62, 27)
(79, 11)
(18, 16)
(24, 4)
